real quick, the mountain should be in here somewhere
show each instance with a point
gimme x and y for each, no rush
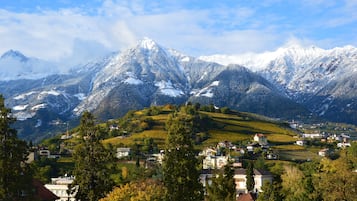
(14, 65)
(148, 74)
(321, 80)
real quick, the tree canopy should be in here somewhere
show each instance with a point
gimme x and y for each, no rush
(15, 177)
(180, 165)
(91, 171)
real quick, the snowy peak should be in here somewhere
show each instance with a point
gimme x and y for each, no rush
(14, 65)
(14, 54)
(148, 45)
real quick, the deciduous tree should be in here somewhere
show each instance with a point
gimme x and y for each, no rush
(143, 190)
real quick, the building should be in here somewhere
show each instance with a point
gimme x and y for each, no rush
(60, 187)
(260, 177)
(215, 162)
(260, 139)
(42, 193)
(324, 152)
(300, 142)
(123, 152)
(247, 197)
(312, 135)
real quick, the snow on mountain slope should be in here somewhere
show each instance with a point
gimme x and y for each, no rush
(282, 83)
(295, 68)
(147, 64)
(14, 65)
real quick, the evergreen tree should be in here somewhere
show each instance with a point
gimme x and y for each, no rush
(91, 171)
(180, 166)
(223, 186)
(15, 177)
(250, 177)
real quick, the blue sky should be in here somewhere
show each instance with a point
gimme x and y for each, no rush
(77, 30)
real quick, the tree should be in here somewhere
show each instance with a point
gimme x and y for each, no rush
(250, 177)
(180, 166)
(293, 184)
(270, 192)
(337, 179)
(15, 177)
(146, 190)
(223, 186)
(91, 162)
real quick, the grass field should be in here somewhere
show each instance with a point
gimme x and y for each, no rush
(297, 155)
(236, 127)
(227, 127)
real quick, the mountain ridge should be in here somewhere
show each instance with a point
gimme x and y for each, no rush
(148, 74)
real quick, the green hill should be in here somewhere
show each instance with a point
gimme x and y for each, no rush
(232, 126)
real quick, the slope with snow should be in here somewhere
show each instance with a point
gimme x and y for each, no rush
(14, 65)
(282, 83)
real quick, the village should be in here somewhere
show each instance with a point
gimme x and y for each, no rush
(214, 159)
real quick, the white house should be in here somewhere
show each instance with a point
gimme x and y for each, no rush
(324, 152)
(260, 177)
(123, 152)
(215, 162)
(343, 144)
(261, 139)
(300, 142)
(208, 152)
(59, 186)
(312, 135)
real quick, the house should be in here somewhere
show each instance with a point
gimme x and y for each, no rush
(113, 127)
(44, 152)
(32, 156)
(343, 144)
(300, 142)
(272, 156)
(260, 139)
(260, 177)
(59, 186)
(42, 193)
(215, 162)
(208, 152)
(206, 177)
(247, 197)
(312, 135)
(324, 152)
(251, 147)
(123, 152)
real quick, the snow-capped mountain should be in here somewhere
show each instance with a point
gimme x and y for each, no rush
(315, 77)
(14, 65)
(149, 74)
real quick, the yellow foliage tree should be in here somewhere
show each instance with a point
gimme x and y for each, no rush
(147, 190)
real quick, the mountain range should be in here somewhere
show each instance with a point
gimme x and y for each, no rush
(291, 83)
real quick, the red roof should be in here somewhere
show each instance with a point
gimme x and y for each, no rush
(260, 135)
(247, 197)
(42, 193)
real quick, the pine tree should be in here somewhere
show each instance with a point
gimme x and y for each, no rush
(91, 163)
(15, 177)
(223, 186)
(250, 177)
(180, 166)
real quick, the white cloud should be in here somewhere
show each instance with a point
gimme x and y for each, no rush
(77, 33)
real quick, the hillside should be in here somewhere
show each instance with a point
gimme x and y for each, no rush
(216, 125)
